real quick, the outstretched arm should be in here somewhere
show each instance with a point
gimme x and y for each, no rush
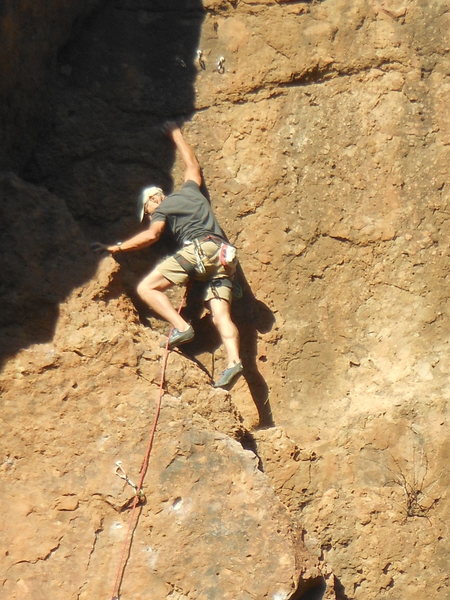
(141, 240)
(193, 171)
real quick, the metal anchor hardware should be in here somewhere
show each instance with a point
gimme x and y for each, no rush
(120, 472)
(220, 65)
(200, 60)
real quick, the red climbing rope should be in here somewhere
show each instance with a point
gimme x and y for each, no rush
(136, 506)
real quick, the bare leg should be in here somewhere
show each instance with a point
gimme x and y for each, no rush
(228, 331)
(151, 289)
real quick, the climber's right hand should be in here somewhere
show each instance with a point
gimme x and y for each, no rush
(99, 248)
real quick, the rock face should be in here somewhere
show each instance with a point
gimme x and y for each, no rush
(322, 129)
(32, 36)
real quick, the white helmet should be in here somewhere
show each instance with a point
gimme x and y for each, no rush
(146, 194)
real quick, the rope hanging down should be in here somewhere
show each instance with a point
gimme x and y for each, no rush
(137, 503)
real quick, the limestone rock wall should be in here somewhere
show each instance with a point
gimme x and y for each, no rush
(323, 136)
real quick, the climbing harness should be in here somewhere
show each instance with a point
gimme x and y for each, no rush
(220, 282)
(227, 256)
(187, 266)
(137, 502)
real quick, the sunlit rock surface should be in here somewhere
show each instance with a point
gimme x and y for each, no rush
(322, 129)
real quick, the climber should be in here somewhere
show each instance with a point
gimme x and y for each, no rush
(204, 255)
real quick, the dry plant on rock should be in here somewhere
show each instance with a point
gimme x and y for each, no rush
(413, 482)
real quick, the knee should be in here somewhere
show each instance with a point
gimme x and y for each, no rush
(220, 312)
(223, 321)
(219, 318)
(152, 282)
(142, 287)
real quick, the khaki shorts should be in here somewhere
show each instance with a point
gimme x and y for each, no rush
(171, 269)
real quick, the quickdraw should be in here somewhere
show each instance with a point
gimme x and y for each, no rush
(220, 65)
(199, 256)
(120, 472)
(200, 60)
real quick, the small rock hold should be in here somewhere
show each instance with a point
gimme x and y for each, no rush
(67, 503)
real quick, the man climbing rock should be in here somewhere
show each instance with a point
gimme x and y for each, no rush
(204, 255)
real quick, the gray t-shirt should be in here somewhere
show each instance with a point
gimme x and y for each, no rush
(188, 214)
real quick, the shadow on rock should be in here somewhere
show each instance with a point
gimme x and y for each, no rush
(44, 257)
(124, 71)
(251, 317)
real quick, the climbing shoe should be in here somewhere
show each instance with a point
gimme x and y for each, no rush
(229, 375)
(180, 337)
